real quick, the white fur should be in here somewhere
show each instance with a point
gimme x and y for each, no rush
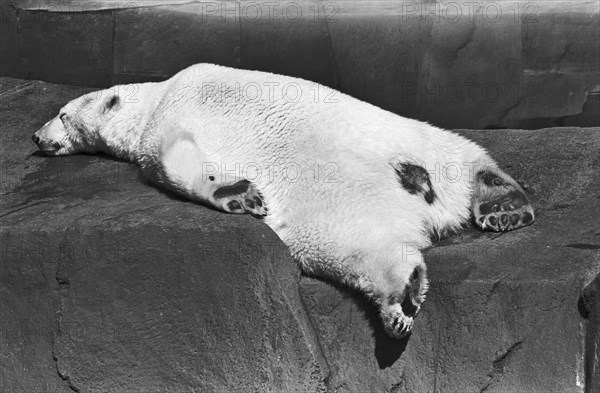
(352, 221)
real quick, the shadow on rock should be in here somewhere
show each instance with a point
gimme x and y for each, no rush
(387, 349)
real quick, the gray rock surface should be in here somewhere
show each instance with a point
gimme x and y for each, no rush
(481, 64)
(110, 285)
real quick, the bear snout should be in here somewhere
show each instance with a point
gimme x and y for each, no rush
(46, 147)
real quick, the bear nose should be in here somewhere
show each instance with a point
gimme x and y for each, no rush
(35, 139)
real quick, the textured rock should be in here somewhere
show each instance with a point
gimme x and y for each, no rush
(65, 46)
(129, 289)
(109, 284)
(502, 313)
(301, 42)
(590, 309)
(500, 64)
(8, 42)
(149, 45)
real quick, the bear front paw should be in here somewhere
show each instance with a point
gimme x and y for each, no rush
(239, 198)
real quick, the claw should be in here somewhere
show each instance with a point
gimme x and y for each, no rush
(404, 329)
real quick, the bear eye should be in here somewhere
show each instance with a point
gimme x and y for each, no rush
(62, 117)
(497, 181)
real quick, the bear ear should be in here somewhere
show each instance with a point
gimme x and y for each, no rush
(112, 102)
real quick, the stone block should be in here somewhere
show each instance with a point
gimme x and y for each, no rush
(62, 47)
(156, 42)
(110, 284)
(501, 64)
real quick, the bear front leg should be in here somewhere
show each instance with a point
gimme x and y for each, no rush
(186, 169)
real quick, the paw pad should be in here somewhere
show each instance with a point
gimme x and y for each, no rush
(240, 197)
(234, 205)
(500, 204)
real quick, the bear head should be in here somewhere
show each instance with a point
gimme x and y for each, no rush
(78, 126)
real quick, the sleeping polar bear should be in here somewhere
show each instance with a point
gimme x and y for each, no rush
(354, 191)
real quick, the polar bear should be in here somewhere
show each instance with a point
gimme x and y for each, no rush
(354, 191)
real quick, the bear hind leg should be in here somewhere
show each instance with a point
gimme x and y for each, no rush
(398, 287)
(401, 293)
(414, 178)
(400, 307)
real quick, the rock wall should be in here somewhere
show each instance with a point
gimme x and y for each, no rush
(486, 64)
(110, 285)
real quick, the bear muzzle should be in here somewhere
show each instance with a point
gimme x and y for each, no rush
(46, 147)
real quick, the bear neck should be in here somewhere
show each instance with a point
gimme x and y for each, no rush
(121, 136)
